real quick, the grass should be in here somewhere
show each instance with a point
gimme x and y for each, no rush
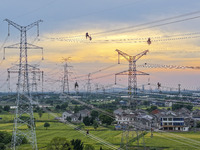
(160, 141)
(58, 129)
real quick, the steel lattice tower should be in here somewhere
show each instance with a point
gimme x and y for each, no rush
(23, 127)
(132, 72)
(89, 84)
(65, 86)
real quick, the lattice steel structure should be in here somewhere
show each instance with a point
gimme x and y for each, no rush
(89, 84)
(65, 86)
(131, 72)
(24, 125)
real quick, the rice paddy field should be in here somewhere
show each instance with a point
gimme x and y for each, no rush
(160, 140)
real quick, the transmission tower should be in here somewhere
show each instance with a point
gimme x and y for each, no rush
(65, 87)
(23, 127)
(89, 84)
(179, 89)
(37, 74)
(131, 72)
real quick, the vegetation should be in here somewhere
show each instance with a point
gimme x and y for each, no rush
(89, 147)
(6, 108)
(77, 144)
(94, 114)
(68, 119)
(46, 125)
(5, 138)
(88, 120)
(59, 143)
(95, 125)
(40, 113)
(106, 119)
(198, 124)
(181, 105)
(152, 108)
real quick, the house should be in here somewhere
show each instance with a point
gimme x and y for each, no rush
(83, 113)
(75, 116)
(173, 121)
(196, 115)
(118, 111)
(66, 114)
(168, 103)
(124, 118)
(122, 102)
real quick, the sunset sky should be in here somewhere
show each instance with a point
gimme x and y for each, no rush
(112, 25)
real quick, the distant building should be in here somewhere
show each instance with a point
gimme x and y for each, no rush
(173, 121)
(75, 116)
(168, 103)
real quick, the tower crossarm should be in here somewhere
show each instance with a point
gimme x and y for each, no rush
(36, 23)
(138, 56)
(126, 56)
(31, 46)
(13, 24)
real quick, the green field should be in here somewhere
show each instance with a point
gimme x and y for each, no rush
(166, 141)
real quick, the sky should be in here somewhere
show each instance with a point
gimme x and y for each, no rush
(113, 24)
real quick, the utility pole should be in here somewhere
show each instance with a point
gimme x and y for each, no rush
(132, 72)
(66, 76)
(24, 100)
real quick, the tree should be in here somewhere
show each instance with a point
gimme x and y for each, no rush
(1, 109)
(198, 124)
(89, 147)
(5, 137)
(146, 103)
(6, 108)
(95, 114)
(57, 107)
(68, 118)
(2, 146)
(101, 148)
(40, 113)
(152, 108)
(64, 106)
(76, 109)
(106, 119)
(59, 143)
(79, 118)
(88, 120)
(95, 125)
(181, 105)
(46, 125)
(78, 145)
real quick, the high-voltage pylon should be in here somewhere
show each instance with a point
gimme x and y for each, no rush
(24, 125)
(89, 84)
(131, 72)
(65, 86)
(37, 75)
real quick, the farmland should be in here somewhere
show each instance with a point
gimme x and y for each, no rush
(166, 141)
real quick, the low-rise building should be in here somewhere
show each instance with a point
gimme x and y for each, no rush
(173, 121)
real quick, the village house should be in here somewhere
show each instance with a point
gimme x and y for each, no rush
(76, 117)
(174, 121)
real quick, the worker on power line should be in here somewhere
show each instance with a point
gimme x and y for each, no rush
(149, 41)
(159, 85)
(87, 132)
(76, 85)
(87, 35)
(90, 37)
